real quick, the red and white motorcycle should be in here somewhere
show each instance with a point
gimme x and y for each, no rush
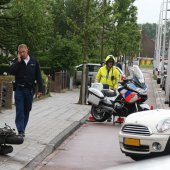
(129, 98)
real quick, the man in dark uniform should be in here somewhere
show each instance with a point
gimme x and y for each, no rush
(27, 72)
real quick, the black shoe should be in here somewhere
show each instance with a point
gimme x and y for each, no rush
(22, 134)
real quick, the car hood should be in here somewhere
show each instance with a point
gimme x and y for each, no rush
(148, 118)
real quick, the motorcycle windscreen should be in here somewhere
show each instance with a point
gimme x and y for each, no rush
(129, 96)
(136, 73)
(131, 86)
(137, 76)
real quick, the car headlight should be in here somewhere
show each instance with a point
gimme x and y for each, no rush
(163, 125)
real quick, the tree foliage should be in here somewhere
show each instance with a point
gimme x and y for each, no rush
(56, 30)
(8, 32)
(149, 30)
(34, 26)
(127, 34)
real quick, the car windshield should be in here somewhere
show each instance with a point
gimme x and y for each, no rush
(120, 71)
(93, 68)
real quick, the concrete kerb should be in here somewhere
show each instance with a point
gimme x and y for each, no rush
(54, 143)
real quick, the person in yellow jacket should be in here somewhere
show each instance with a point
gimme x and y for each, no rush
(108, 74)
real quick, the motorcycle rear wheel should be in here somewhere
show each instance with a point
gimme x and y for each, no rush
(98, 115)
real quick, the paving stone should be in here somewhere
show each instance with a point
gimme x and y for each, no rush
(48, 119)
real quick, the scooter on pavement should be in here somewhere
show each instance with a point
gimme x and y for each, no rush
(7, 138)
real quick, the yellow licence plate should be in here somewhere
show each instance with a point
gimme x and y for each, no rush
(130, 141)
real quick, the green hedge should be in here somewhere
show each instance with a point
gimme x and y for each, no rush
(4, 68)
(47, 70)
(8, 78)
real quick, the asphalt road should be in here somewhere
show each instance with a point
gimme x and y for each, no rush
(92, 147)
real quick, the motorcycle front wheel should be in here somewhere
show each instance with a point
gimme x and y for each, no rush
(98, 114)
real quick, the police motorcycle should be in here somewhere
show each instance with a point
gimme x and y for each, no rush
(128, 98)
(8, 137)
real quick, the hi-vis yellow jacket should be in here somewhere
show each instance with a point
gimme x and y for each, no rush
(111, 78)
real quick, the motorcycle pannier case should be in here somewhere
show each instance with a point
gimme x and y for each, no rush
(95, 96)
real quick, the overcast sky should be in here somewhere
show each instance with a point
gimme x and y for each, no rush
(148, 10)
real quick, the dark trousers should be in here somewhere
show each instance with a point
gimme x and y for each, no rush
(23, 102)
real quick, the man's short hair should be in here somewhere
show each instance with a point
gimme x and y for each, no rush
(22, 46)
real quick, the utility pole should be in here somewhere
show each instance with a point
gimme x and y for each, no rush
(83, 90)
(140, 41)
(103, 31)
(160, 35)
(167, 84)
(158, 38)
(164, 40)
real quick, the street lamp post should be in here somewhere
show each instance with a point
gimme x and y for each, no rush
(159, 36)
(164, 40)
(167, 87)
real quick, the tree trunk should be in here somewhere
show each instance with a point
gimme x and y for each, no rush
(83, 90)
(103, 32)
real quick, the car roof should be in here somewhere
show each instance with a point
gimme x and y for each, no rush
(90, 64)
(119, 70)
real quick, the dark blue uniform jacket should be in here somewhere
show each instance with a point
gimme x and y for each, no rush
(27, 74)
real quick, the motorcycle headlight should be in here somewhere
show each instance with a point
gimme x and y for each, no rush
(141, 91)
(163, 125)
(138, 90)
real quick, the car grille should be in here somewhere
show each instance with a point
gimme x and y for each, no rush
(136, 130)
(141, 148)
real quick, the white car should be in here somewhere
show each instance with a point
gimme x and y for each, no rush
(93, 69)
(122, 74)
(146, 134)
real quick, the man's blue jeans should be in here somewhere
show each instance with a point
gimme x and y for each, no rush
(23, 102)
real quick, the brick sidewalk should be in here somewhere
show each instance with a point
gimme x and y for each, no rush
(51, 120)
